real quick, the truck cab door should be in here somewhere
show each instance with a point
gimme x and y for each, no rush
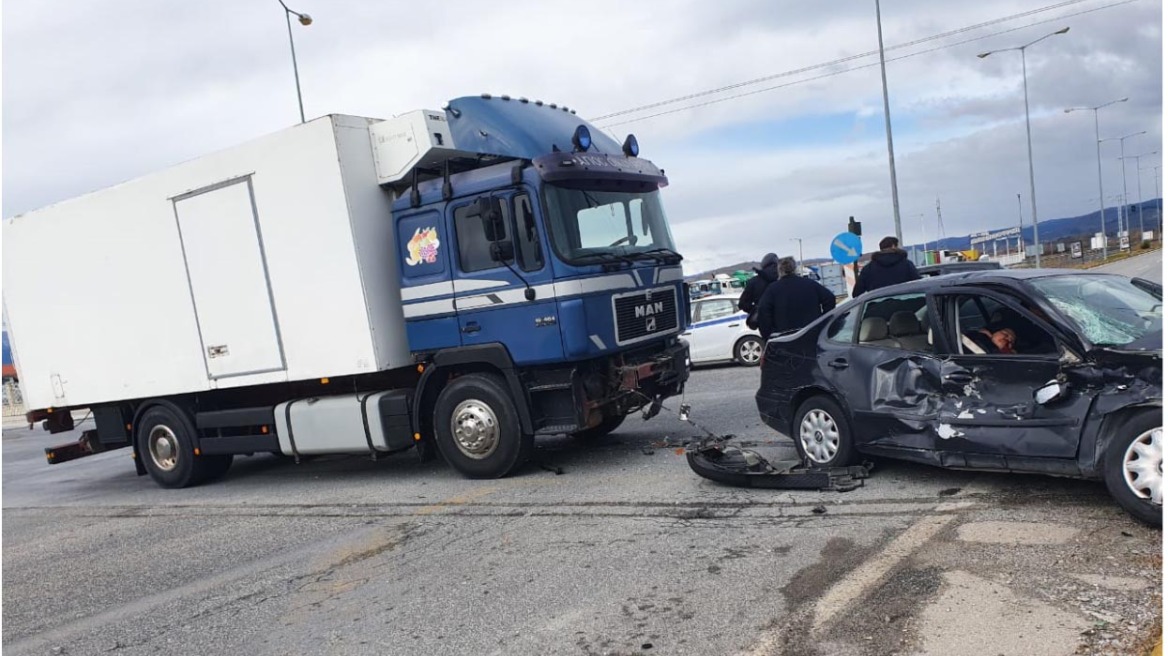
(502, 279)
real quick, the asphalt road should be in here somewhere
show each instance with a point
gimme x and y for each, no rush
(613, 547)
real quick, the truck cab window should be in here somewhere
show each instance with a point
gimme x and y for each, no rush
(527, 244)
(474, 249)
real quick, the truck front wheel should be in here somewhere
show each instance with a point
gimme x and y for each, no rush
(166, 447)
(477, 427)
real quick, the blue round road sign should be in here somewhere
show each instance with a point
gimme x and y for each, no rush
(846, 248)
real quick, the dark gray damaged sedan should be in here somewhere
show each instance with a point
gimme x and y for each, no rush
(1037, 371)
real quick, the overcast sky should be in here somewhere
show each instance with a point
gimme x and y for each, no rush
(98, 93)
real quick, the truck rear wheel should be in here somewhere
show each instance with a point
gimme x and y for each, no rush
(477, 427)
(165, 439)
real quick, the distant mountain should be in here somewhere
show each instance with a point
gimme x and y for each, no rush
(1075, 228)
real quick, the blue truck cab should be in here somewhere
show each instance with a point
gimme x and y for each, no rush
(535, 254)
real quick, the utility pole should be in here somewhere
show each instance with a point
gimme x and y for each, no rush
(1021, 227)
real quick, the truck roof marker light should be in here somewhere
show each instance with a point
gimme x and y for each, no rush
(523, 100)
(539, 103)
(631, 148)
(485, 96)
(553, 105)
(505, 97)
(324, 381)
(582, 138)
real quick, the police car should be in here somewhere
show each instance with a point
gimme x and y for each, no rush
(718, 332)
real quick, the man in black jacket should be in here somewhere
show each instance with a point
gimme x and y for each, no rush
(888, 267)
(792, 302)
(767, 272)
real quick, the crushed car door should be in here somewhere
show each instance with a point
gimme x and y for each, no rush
(990, 404)
(880, 359)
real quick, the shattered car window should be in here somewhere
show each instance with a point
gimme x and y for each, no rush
(1107, 310)
(980, 318)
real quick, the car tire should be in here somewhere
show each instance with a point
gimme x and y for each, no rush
(1133, 466)
(823, 434)
(748, 351)
(165, 438)
(606, 426)
(477, 427)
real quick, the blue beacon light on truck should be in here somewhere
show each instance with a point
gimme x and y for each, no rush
(582, 139)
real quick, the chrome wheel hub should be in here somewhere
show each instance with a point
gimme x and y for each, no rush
(163, 446)
(475, 428)
(819, 435)
(1143, 466)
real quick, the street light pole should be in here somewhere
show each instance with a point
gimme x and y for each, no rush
(1139, 187)
(888, 128)
(1099, 164)
(1021, 227)
(1159, 211)
(1029, 143)
(305, 20)
(800, 240)
(1123, 167)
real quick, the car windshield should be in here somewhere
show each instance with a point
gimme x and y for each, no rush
(587, 225)
(1108, 310)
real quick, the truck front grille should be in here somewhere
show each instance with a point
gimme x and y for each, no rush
(644, 314)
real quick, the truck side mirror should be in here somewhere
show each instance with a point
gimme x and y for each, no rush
(492, 218)
(503, 251)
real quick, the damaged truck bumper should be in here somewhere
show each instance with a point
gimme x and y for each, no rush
(712, 458)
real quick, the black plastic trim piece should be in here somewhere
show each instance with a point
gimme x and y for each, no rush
(264, 415)
(239, 444)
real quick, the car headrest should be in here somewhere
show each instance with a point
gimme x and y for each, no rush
(903, 323)
(873, 329)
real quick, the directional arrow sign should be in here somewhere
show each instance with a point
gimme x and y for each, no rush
(846, 248)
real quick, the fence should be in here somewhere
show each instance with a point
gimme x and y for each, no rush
(13, 401)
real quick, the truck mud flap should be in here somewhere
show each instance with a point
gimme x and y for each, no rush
(713, 459)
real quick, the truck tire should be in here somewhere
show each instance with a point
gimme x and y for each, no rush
(606, 426)
(165, 438)
(1133, 466)
(214, 467)
(477, 427)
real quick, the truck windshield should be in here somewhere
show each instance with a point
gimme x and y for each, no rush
(597, 225)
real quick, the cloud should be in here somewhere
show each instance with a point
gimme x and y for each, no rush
(97, 94)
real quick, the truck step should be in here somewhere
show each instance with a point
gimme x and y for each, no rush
(549, 387)
(558, 429)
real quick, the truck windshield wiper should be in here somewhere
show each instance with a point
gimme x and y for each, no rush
(666, 254)
(612, 258)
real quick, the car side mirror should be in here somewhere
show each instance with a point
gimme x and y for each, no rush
(1050, 392)
(503, 251)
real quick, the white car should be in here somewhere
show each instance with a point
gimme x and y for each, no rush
(718, 332)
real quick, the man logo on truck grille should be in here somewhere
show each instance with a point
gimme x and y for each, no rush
(649, 309)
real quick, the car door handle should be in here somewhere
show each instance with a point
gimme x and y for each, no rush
(734, 325)
(471, 327)
(838, 363)
(959, 377)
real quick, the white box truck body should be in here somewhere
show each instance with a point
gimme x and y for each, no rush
(262, 263)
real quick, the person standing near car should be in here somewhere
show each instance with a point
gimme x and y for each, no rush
(766, 273)
(890, 266)
(792, 301)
